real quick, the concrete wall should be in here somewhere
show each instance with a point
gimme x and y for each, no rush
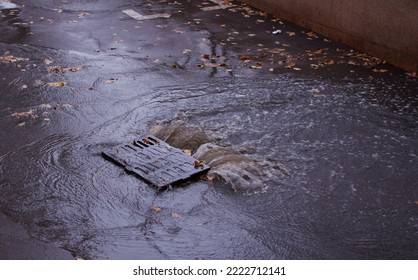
(387, 29)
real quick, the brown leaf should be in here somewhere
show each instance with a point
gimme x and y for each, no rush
(61, 69)
(156, 209)
(198, 164)
(57, 84)
(12, 59)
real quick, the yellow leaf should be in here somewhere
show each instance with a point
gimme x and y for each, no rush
(57, 84)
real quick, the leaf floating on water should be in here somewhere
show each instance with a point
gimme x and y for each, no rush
(67, 106)
(380, 70)
(57, 84)
(48, 61)
(329, 62)
(178, 31)
(11, 59)
(111, 81)
(175, 215)
(61, 69)
(258, 65)
(156, 209)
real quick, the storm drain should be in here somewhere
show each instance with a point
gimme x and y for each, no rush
(155, 161)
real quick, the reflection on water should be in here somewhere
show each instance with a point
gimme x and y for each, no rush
(331, 169)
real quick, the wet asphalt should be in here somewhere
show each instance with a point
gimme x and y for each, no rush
(74, 67)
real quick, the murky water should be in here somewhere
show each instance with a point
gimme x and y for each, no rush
(304, 166)
(334, 176)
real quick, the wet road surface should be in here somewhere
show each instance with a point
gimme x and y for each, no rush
(323, 140)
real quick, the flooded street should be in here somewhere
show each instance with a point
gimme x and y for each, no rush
(308, 162)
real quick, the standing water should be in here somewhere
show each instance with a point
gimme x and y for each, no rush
(305, 164)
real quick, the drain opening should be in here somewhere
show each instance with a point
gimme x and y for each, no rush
(155, 161)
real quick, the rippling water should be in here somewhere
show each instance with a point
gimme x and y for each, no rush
(336, 164)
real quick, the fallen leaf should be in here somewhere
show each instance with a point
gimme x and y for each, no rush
(330, 62)
(185, 51)
(156, 209)
(188, 152)
(22, 114)
(380, 70)
(244, 57)
(57, 84)
(67, 106)
(82, 14)
(412, 75)
(62, 69)
(111, 81)
(291, 34)
(198, 164)
(48, 61)
(263, 55)
(258, 65)
(11, 59)
(21, 124)
(297, 69)
(175, 215)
